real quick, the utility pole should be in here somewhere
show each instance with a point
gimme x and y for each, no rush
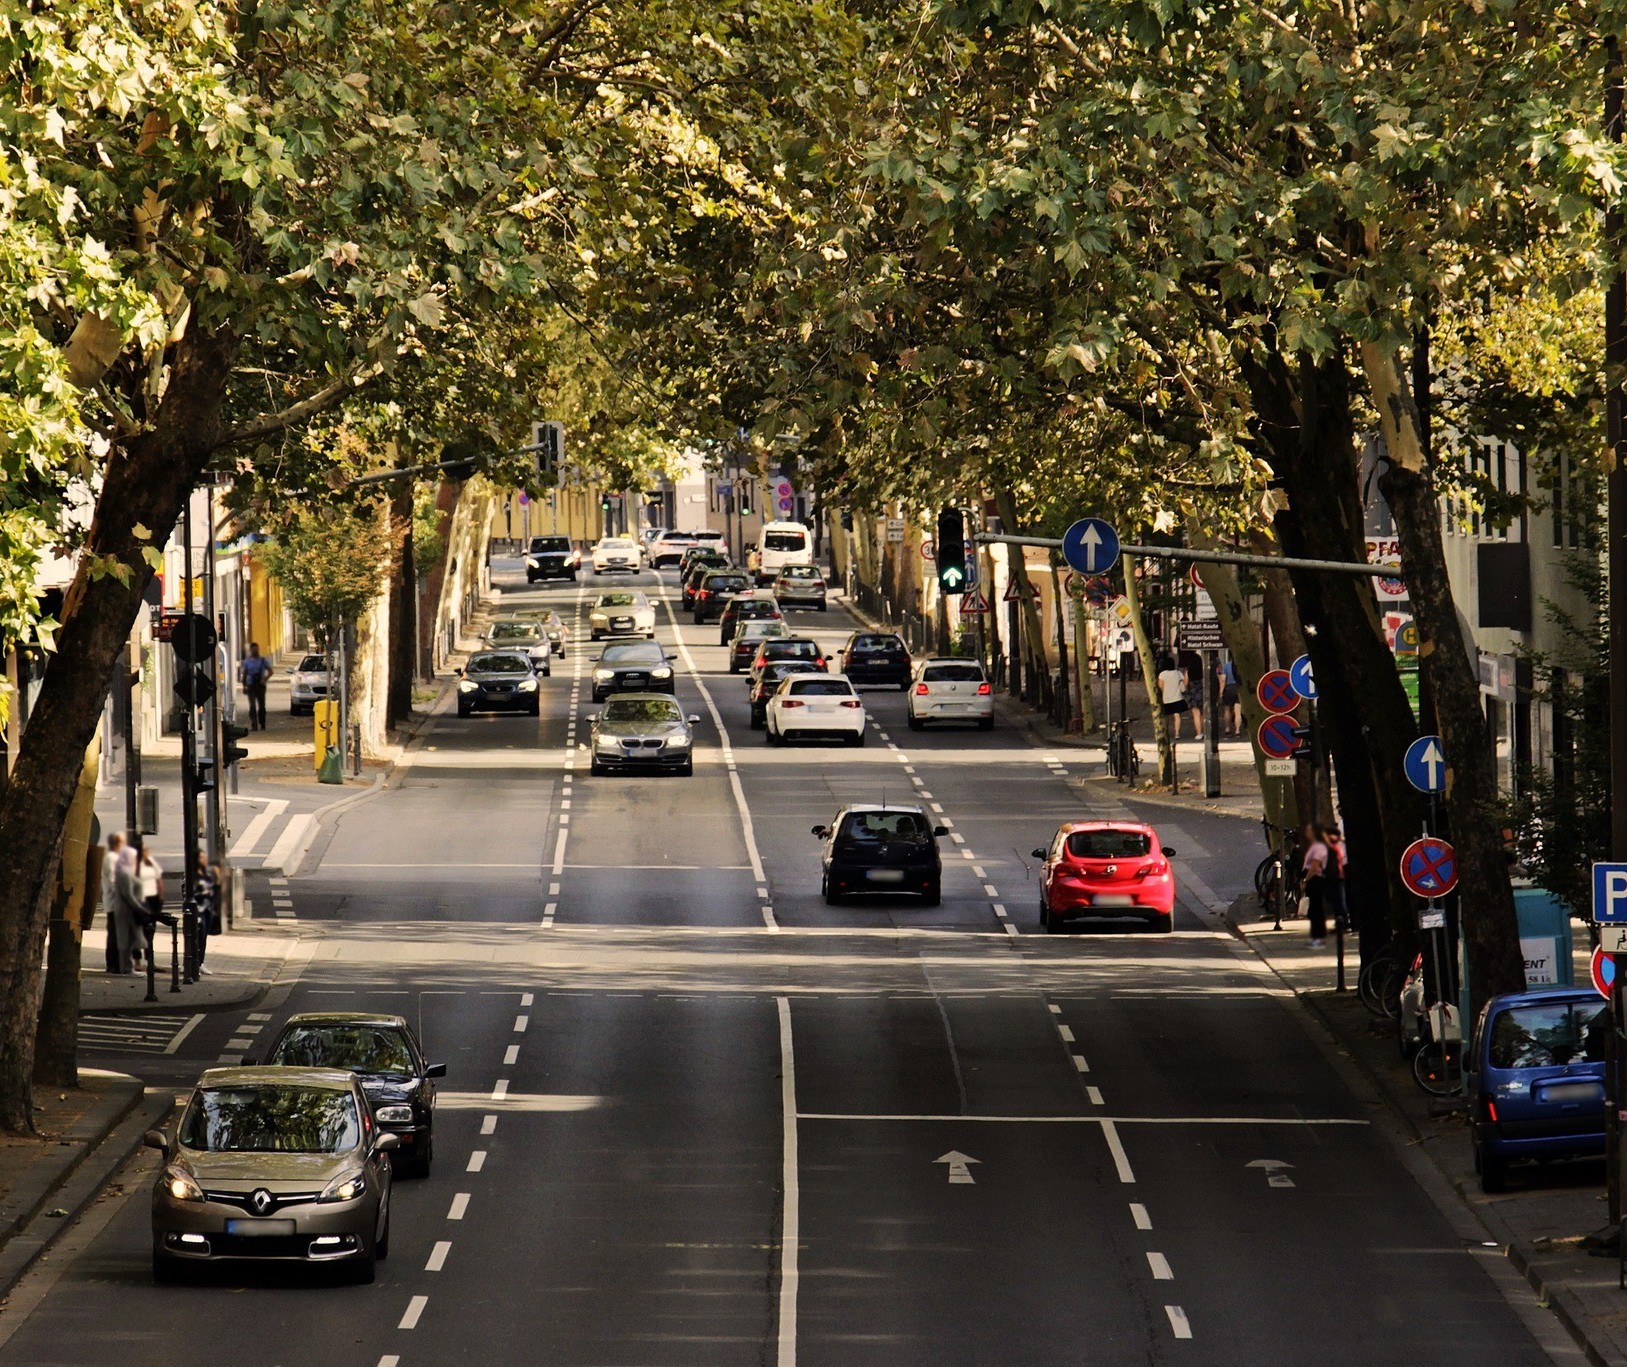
(189, 773)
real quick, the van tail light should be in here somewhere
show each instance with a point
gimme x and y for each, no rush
(921, 690)
(792, 702)
(984, 689)
(851, 702)
(1489, 1109)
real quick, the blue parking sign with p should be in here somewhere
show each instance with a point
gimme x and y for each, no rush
(1610, 892)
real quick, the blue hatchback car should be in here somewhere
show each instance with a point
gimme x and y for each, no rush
(1538, 1079)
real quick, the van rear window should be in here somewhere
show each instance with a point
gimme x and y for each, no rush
(1549, 1035)
(784, 541)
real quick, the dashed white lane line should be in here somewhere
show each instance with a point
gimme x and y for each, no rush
(548, 913)
(521, 1024)
(500, 1090)
(1095, 1095)
(477, 1160)
(989, 890)
(511, 1056)
(947, 824)
(1138, 1213)
(925, 794)
(415, 1308)
(1066, 1031)
(1053, 1008)
(488, 1125)
(1121, 1160)
(1079, 1063)
(559, 851)
(1161, 1270)
(390, 1360)
(999, 909)
(460, 1204)
(957, 837)
(553, 891)
(1178, 1321)
(1010, 929)
(526, 999)
(936, 806)
(437, 1255)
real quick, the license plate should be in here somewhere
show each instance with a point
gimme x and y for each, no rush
(1572, 1091)
(1114, 899)
(263, 1228)
(633, 678)
(885, 875)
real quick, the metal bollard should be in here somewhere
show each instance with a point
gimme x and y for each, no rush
(175, 954)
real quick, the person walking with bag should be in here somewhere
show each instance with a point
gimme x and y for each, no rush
(1333, 880)
(1312, 875)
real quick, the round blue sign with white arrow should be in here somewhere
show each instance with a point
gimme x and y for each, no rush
(1091, 546)
(1425, 763)
(1304, 682)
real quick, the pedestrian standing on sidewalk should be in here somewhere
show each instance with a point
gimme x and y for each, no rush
(1172, 695)
(1333, 879)
(1313, 886)
(1231, 706)
(110, 899)
(1194, 698)
(132, 912)
(253, 672)
(208, 889)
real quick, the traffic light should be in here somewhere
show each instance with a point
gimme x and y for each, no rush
(230, 750)
(950, 549)
(203, 776)
(548, 439)
(745, 503)
(1305, 740)
(604, 503)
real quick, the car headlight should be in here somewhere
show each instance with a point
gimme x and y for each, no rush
(662, 673)
(603, 675)
(553, 635)
(346, 1187)
(467, 685)
(598, 619)
(394, 1115)
(679, 742)
(604, 742)
(179, 1183)
(532, 563)
(528, 686)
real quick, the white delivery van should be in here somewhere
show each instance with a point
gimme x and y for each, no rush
(780, 544)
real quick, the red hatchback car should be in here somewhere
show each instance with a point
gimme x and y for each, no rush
(1106, 869)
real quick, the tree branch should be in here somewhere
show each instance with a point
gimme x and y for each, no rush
(295, 414)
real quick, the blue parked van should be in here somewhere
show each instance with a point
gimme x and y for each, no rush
(1538, 1079)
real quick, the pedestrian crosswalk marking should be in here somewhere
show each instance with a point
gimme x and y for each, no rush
(150, 1032)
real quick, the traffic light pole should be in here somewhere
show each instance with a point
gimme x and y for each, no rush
(189, 782)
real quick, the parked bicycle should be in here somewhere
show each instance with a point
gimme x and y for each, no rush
(1276, 877)
(1123, 762)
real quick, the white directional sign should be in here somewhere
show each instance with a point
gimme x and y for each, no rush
(1275, 1171)
(959, 1173)
(1425, 764)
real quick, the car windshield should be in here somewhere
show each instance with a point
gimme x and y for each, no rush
(717, 582)
(884, 826)
(1549, 1034)
(312, 664)
(360, 1048)
(761, 631)
(638, 653)
(1108, 844)
(499, 664)
(791, 650)
(615, 544)
(953, 674)
(616, 600)
(877, 645)
(755, 607)
(271, 1118)
(821, 687)
(515, 631)
(641, 710)
(550, 543)
(799, 572)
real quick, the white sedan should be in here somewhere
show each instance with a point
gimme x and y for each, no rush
(622, 614)
(616, 553)
(951, 690)
(815, 705)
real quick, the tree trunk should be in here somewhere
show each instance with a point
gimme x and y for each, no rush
(1489, 928)
(145, 484)
(402, 647)
(1036, 665)
(56, 1040)
(1306, 429)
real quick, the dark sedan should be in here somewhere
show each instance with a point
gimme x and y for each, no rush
(877, 848)
(876, 657)
(754, 605)
(698, 569)
(768, 679)
(639, 667)
(499, 680)
(715, 592)
(384, 1054)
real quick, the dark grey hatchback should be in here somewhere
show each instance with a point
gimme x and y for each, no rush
(881, 848)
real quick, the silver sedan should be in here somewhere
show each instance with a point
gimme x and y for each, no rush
(622, 614)
(642, 731)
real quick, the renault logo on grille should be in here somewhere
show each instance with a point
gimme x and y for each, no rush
(261, 1201)
(1112, 869)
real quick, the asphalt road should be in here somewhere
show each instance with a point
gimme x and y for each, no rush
(695, 1116)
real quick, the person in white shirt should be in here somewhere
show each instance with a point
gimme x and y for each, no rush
(1172, 695)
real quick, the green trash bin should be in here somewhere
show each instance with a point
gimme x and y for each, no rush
(333, 766)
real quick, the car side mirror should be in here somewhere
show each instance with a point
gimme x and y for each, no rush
(1038, 854)
(821, 831)
(1169, 852)
(157, 1139)
(940, 830)
(435, 1070)
(386, 1143)
(693, 719)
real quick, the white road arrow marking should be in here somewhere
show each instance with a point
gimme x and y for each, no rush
(958, 1171)
(1275, 1176)
(1092, 540)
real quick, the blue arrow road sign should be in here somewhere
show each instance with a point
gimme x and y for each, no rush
(1610, 892)
(1425, 763)
(1090, 546)
(1299, 674)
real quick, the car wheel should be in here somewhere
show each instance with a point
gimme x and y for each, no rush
(535, 710)
(1163, 925)
(547, 671)
(903, 684)
(688, 770)
(594, 767)
(422, 1161)
(821, 607)
(985, 723)
(932, 896)
(1044, 916)
(364, 1270)
(857, 739)
(1053, 923)
(758, 721)
(169, 1271)
(915, 722)
(772, 736)
(572, 576)
(831, 898)
(381, 1249)
(700, 619)
(464, 710)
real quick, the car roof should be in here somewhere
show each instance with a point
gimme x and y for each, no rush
(1543, 994)
(950, 660)
(333, 1079)
(346, 1018)
(838, 678)
(640, 697)
(1072, 826)
(861, 807)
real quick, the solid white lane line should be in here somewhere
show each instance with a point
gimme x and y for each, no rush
(521, 1024)
(477, 1160)
(790, 1213)
(460, 1204)
(1315, 1121)
(1178, 1321)
(1095, 1095)
(437, 1255)
(1161, 1270)
(415, 1308)
(500, 1090)
(1138, 1213)
(511, 1055)
(526, 999)
(1121, 1160)
(488, 1124)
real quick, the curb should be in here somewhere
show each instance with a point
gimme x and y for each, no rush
(91, 1150)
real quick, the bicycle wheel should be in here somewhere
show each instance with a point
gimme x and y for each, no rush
(1265, 878)
(1438, 1067)
(1370, 985)
(1389, 996)
(1132, 760)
